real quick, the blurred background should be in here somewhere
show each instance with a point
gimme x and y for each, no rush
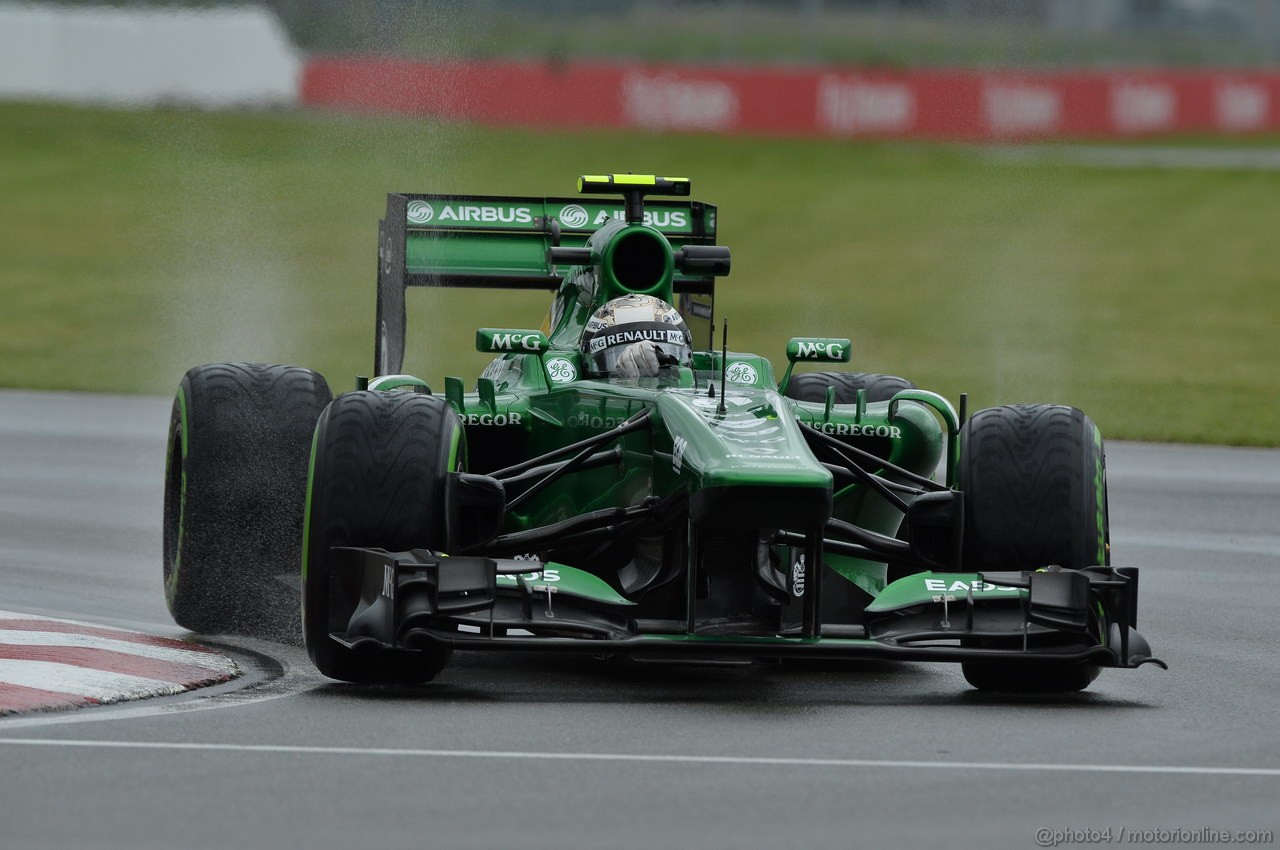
(1047, 200)
(895, 33)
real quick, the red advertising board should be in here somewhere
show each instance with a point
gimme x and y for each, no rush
(939, 104)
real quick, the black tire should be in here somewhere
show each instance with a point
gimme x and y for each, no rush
(1035, 485)
(812, 386)
(235, 486)
(1028, 679)
(378, 476)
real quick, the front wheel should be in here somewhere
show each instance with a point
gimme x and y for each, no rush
(379, 466)
(1047, 679)
(235, 482)
(1035, 486)
(1035, 483)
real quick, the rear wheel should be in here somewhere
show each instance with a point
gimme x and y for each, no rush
(812, 386)
(1034, 479)
(379, 467)
(235, 483)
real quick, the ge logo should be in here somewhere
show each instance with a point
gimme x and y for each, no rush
(741, 373)
(420, 212)
(561, 371)
(573, 216)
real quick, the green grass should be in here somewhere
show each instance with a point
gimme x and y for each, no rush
(136, 244)
(878, 34)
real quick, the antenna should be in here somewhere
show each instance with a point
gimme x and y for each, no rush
(724, 361)
(711, 385)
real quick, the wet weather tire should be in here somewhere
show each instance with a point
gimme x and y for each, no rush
(1035, 485)
(1034, 479)
(235, 485)
(379, 467)
(1053, 679)
(812, 386)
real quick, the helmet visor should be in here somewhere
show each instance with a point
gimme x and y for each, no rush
(604, 349)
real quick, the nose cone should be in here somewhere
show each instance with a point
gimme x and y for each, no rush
(748, 467)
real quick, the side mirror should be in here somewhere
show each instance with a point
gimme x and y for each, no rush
(814, 349)
(819, 350)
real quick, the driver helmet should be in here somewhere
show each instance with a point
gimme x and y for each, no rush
(625, 321)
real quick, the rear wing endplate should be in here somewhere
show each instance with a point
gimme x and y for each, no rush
(500, 242)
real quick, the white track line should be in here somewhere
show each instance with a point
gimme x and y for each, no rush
(277, 749)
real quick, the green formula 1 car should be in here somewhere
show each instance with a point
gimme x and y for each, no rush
(618, 484)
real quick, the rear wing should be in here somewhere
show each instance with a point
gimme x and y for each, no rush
(499, 242)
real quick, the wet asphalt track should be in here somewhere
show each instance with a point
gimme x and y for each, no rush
(551, 752)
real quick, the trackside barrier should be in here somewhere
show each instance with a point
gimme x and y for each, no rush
(216, 58)
(940, 104)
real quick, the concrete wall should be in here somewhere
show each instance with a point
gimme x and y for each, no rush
(141, 57)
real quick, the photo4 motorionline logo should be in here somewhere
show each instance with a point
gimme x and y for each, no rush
(1049, 837)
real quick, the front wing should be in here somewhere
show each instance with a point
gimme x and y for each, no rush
(413, 599)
